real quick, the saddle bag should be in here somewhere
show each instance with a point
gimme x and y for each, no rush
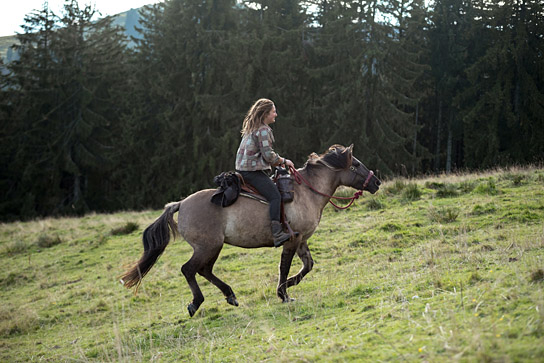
(284, 182)
(229, 189)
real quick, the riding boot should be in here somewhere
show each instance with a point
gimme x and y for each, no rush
(279, 235)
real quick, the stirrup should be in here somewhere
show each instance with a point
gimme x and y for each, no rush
(279, 243)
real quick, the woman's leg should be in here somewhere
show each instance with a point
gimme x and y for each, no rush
(267, 188)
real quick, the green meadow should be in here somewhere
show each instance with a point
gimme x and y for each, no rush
(448, 268)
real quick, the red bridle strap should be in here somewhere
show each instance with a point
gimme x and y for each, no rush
(300, 179)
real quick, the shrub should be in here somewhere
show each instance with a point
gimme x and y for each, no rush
(434, 185)
(13, 279)
(443, 215)
(516, 179)
(128, 228)
(14, 322)
(14, 248)
(489, 188)
(46, 241)
(396, 188)
(467, 186)
(390, 227)
(521, 216)
(479, 210)
(375, 204)
(537, 275)
(411, 192)
(447, 191)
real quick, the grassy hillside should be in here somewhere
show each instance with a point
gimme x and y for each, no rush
(449, 268)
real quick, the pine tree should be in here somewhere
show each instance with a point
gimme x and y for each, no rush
(336, 74)
(144, 134)
(90, 76)
(505, 101)
(185, 119)
(366, 69)
(212, 103)
(451, 21)
(29, 85)
(277, 60)
(389, 73)
(63, 87)
(408, 59)
(9, 206)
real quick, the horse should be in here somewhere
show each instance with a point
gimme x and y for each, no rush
(246, 223)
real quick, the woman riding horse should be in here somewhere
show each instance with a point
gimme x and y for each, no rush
(207, 226)
(255, 157)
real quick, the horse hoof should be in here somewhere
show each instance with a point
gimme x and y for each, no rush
(288, 300)
(192, 309)
(232, 300)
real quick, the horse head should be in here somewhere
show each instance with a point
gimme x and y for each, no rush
(352, 172)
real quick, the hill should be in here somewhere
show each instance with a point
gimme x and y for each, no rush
(126, 20)
(6, 42)
(437, 269)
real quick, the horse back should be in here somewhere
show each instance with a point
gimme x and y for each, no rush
(245, 223)
(199, 219)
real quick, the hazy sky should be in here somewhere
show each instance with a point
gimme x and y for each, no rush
(12, 12)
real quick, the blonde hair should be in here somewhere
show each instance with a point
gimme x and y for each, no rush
(256, 114)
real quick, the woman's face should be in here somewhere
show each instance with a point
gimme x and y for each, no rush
(270, 116)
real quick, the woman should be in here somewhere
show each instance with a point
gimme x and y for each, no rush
(256, 156)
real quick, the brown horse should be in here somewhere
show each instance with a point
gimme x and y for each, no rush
(246, 223)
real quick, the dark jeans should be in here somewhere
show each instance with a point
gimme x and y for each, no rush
(267, 188)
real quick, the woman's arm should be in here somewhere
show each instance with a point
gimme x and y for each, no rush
(265, 140)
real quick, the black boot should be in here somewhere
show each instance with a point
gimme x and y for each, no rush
(279, 235)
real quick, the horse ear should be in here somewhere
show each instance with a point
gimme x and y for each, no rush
(349, 154)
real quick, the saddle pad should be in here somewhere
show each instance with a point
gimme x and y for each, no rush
(258, 198)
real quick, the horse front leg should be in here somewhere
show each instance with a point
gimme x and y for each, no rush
(285, 264)
(305, 256)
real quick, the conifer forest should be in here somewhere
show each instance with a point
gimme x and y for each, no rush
(92, 120)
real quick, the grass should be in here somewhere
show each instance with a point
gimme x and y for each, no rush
(407, 274)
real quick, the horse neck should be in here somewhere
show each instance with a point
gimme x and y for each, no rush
(323, 180)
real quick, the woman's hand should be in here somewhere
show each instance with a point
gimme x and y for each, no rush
(288, 163)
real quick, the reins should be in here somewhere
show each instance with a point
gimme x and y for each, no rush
(300, 179)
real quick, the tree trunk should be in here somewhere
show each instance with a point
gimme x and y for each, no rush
(415, 141)
(438, 136)
(449, 147)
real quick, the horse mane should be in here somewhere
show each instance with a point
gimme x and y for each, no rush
(337, 157)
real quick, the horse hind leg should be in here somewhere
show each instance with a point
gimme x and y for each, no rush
(206, 272)
(189, 270)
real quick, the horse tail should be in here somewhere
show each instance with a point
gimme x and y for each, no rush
(155, 239)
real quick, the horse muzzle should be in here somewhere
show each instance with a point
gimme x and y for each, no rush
(372, 183)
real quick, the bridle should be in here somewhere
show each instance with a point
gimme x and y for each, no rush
(367, 180)
(300, 179)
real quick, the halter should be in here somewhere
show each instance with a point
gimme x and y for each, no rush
(367, 180)
(300, 179)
